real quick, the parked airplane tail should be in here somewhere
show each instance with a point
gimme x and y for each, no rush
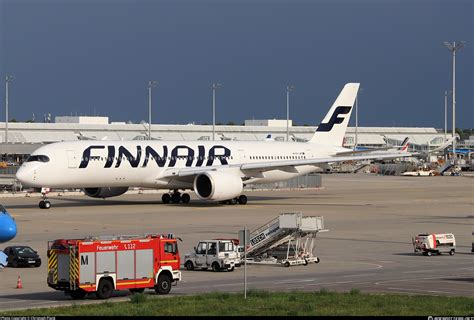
(404, 147)
(332, 129)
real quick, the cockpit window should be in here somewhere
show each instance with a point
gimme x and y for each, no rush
(40, 158)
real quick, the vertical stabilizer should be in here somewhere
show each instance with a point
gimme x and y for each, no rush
(332, 129)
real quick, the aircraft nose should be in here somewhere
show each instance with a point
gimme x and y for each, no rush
(7, 228)
(24, 175)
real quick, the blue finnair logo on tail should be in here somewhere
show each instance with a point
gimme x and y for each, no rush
(335, 119)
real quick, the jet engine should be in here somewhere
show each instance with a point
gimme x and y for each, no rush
(105, 192)
(215, 185)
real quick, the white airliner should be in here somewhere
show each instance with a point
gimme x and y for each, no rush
(214, 170)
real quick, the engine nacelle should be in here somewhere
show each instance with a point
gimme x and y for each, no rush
(215, 185)
(105, 192)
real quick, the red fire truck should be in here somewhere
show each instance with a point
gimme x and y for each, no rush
(102, 265)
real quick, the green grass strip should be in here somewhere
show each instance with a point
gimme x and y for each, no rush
(263, 303)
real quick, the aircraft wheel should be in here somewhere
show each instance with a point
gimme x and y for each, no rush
(47, 204)
(175, 198)
(41, 204)
(166, 198)
(242, 199)
(185, 198)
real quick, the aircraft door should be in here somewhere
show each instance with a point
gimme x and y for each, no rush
(72, 159)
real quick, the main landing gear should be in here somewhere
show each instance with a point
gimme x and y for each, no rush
(175, 197)
(242, 199)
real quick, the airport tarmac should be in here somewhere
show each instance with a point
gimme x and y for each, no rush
(371, 220)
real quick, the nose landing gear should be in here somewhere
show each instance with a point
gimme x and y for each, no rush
(44, 204)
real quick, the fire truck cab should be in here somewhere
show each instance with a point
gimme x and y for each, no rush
(438, 243)
(102, 265)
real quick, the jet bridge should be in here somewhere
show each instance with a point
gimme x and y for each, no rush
(288, 239)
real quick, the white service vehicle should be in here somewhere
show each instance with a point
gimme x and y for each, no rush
(437, 243)
(216, 254)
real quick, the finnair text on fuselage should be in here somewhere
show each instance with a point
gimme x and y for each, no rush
(164, 158)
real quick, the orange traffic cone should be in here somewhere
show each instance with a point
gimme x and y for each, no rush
(18, 284)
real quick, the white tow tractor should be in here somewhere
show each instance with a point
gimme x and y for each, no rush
(437, 243)
(216, 254)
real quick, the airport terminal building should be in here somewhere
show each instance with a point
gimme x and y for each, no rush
(24, 138)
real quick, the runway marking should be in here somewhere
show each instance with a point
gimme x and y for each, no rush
(331, 283)
(296, 281)
(359, 275)
(411, 279)
(419, 271)
(14, 301)
(44, 302)
(420, 290)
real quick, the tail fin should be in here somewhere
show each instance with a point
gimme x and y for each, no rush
(404, 147)
(332, 129)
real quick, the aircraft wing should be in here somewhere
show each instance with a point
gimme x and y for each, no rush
(346, 153)
(440, 148)
(285, 165)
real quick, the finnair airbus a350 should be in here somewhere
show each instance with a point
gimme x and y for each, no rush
(214, 170)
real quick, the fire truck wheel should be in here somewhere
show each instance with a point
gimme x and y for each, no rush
(104, 291)
(286, 264)
(451, 253)
(166, 198)
(428, 253)
(216, 267)
(137, 290)
(185, 198)
(189, 265)
(78, 294)
(164, 284)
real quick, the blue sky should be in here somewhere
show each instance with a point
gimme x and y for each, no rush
(89, 57)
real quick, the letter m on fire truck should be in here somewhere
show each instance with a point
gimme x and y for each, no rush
(102, 265)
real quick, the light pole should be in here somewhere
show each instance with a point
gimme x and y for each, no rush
(215, 86)
(445, 114)
(7, 80)
(453, 47)
(288, 89)
(357, 117)
(151, 84)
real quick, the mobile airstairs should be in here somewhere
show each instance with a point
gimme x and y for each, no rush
(287, 240)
